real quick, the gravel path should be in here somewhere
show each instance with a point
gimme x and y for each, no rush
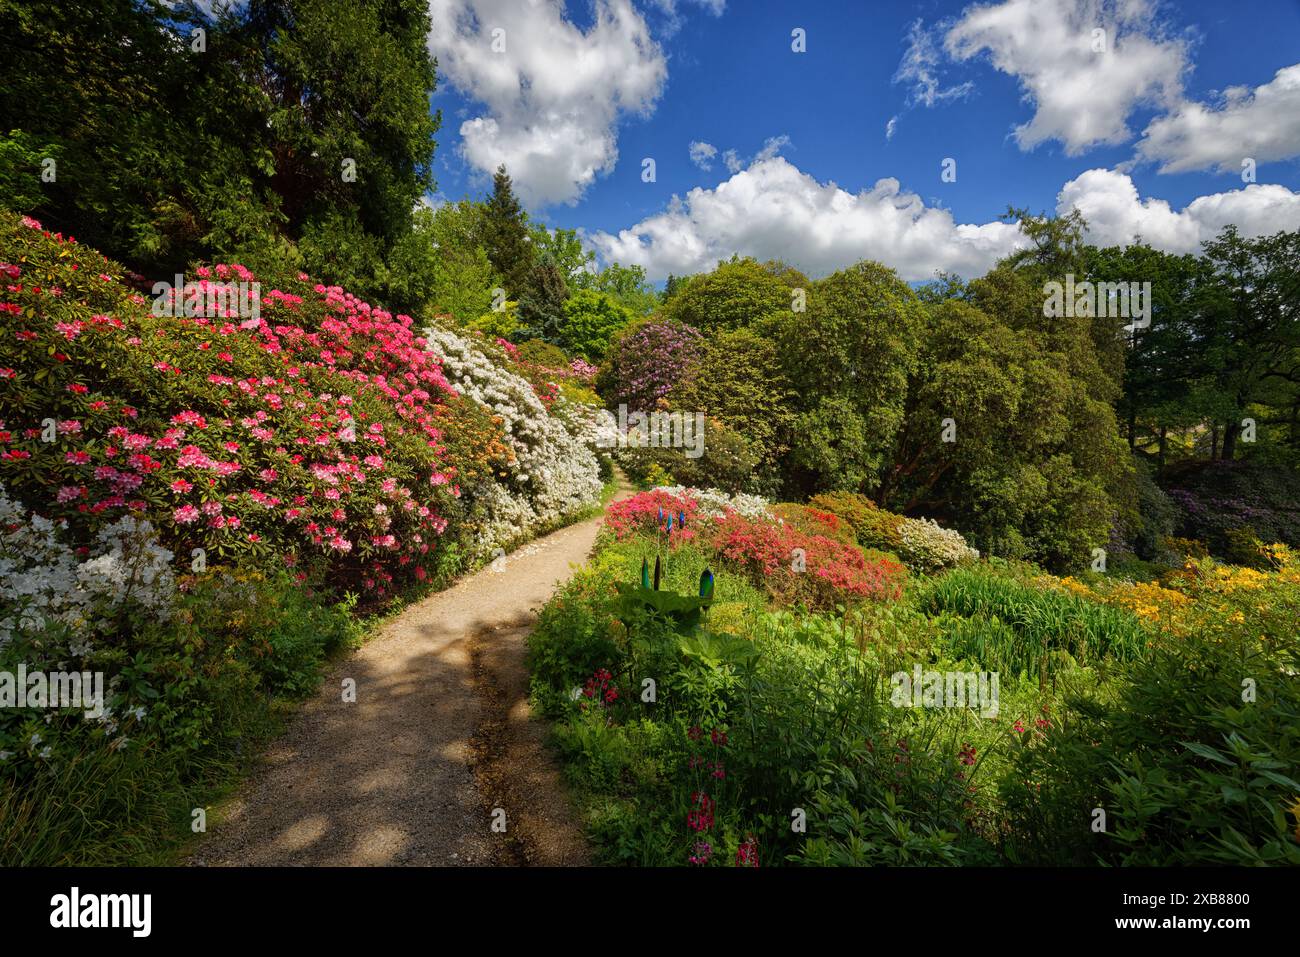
(440, 735)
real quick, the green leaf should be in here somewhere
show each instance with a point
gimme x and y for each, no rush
(1207, 752)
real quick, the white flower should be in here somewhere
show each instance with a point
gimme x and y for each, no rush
(555, 470)
(927, 546)
(44, 586)
(714, 503)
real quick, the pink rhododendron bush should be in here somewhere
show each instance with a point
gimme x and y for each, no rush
(304, 426)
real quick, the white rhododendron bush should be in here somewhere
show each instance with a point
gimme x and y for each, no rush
(927, 546)
(555, 471)
(48, 589)
(714, 503)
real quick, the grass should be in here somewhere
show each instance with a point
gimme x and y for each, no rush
(1013, 625)
(134, 806)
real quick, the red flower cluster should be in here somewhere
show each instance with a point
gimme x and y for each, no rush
(747, 853)
(701, 817)
(641, 513)
(797, 567)
(601, 688)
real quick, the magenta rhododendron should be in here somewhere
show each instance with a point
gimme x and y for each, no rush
(313, 431)
(645, 511)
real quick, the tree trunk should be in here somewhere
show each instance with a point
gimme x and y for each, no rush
(1229, 440)
(1164, 444)
(1214, 443)
(1132, 427)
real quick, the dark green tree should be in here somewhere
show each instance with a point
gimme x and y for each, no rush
(541, 308)
(505, 237)
(848, 358)
(1248, 326)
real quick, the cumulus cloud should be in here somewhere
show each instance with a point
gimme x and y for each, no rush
(733, 161)
(772, 146)
(1080, 96)
(919, 68)
(1116, 215)
(1263, 124)
(773, 210)
(702, 154)
(553, 97)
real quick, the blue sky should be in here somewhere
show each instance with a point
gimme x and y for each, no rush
(575, 96)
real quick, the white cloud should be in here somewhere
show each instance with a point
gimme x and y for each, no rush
(920, 67)
(890, 127)
(674, 16)
(669, 7)
(702, 154)
(1080, 97)
(773, 210)
(1116, 215)
(772, 146)
(553, 98)
(1263, 124)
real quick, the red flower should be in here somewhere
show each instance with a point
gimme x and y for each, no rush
(747, 853)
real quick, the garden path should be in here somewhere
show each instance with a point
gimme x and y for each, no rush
(440, 735)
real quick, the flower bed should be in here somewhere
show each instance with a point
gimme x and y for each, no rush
(791, 563)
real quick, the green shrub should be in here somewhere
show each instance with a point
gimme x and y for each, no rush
(1243, 547)
(205, 685)
(854, 507)
(1187, 772)
(727, 461)
(812, 521)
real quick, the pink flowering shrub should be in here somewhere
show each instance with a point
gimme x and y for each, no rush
(646, 362)
(315, 434)
(642, 513)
